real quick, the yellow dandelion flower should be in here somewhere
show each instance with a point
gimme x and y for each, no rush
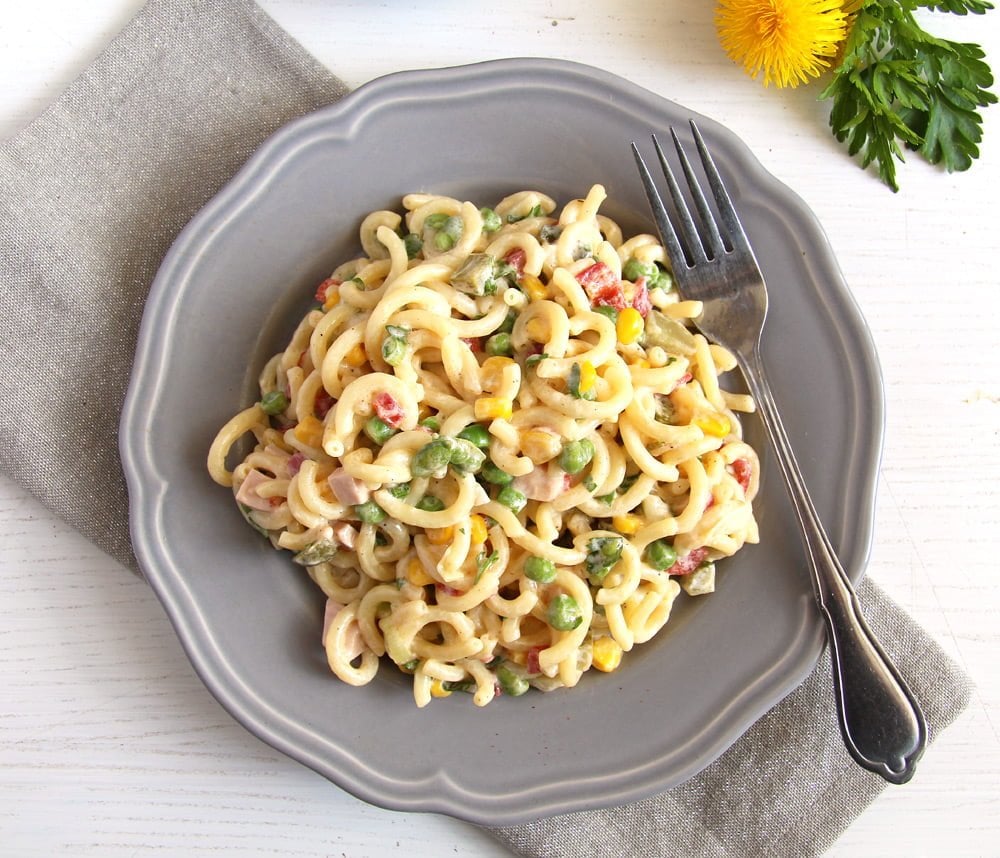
(789, 41)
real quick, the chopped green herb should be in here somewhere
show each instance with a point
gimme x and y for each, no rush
(536, 211)
(484, 562)
(248, 515)
(605, 310)
(320, 551)
(573, 384)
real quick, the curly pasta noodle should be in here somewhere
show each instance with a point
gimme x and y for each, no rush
(497, 446)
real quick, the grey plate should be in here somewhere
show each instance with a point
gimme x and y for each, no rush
(229, 294)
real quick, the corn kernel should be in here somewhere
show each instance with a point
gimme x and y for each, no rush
(588, 377)
(438, 689)
(640, 363)
(440, 535)
(491, 372)
(537, 329)
(629, 326)
(309, 432)
(717, 425)
(534, 288)
(540, 445)
(332, 298)
(607, 654)
(493, 408)
(357, 356)
(416, 574)
(627, 524)
(479, 530)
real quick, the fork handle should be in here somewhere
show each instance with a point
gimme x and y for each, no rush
(881, 722)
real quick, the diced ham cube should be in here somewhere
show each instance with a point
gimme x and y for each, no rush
(247, 493)
(541, 484)
(348, 490)
(346, 534)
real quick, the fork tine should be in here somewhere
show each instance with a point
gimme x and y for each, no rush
(688, 227)
(727, 211)
(673, 246)
(715, 245)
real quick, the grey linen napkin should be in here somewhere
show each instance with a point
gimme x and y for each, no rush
(91, 196)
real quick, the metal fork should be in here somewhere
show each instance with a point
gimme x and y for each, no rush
(881, 722)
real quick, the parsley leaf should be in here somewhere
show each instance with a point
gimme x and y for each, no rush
(484, 562)
(897, 85)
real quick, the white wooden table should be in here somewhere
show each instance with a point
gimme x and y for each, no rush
(109, 744)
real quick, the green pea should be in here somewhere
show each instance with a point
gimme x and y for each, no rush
(499, 345)
(430, 503)
(453, 226)
(564, 613)
(493, 474)
(491, 220)
(400, 491)
(436, 220)
(466, 457)
(539, 569)
(432, 423)
(413, 244)
(660, 554)
(511, 683)
(663, 280)
(393, 350)
(274, 402)
(507, 326)
(576, 455)
(369, 512)
(378, 430)
(634, 269)
(512, 498)
(603, 552)
(443, 241)
(477, 434)
(431, 458)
